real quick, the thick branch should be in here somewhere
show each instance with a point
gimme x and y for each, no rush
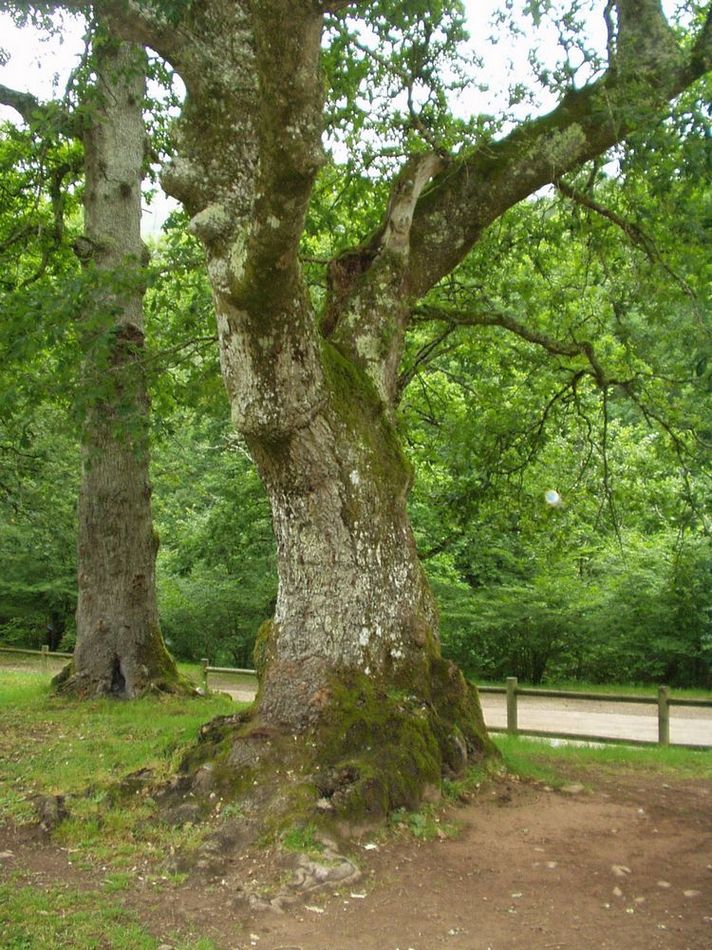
(287, 37)
(33, 111)
(407, 189)
(367, 310)
(142, 23)
(22, 102)
(478, 188)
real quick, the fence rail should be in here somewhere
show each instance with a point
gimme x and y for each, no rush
(663, 701)
(44, 654)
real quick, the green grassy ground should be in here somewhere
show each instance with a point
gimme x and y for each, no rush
(50, 745)
(53, 745)
(47, 918)
(532, 758)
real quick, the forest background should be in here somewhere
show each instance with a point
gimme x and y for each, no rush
(561, 514)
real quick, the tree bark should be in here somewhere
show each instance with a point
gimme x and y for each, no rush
(351, 659)
(352, 594)
(119, 649)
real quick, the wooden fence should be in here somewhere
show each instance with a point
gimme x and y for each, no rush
(663, 701)
(44, 654)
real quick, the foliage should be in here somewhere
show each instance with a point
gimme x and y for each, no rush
(38, 480)
(570, 350)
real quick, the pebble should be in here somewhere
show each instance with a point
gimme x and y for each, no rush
(617, 892)
(692, 893)
(574, 789)
(664, 884)
(4, 855)
(620, 870)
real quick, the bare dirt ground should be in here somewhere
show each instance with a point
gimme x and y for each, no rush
(624, 863)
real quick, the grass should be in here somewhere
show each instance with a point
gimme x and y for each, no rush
(44, 918)
(426, 824)
(530, 758)
(301, 838)
(52, 745)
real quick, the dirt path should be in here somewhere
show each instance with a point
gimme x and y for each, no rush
(626, 863)
(623, 868)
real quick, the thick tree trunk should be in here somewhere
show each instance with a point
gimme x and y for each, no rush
(352, 594)
(119, 648)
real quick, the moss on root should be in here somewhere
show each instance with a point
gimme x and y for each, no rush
(385, 748)
(376, 747)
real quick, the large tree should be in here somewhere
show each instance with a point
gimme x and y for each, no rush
(353, 651)
(119, 648)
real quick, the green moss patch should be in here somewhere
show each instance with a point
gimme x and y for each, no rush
(381, 750)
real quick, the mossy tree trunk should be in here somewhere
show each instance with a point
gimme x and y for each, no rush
(119, 649)
(315, 395)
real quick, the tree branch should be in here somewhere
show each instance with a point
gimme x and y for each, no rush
(648, 68)
(638, 237)
(367, 311)
(34, 112)
(142, 23)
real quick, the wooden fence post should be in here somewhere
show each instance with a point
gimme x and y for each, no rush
(206, 663)
(45, 658)
(512, 727)
(663, 715)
